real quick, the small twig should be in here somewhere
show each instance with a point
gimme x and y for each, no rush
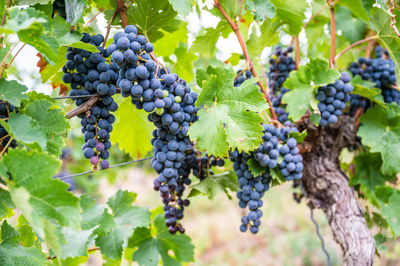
(74, 97)
(3, 187)
(354, 45)
(315, 15)
(6, 147)
(297, 51)
(249, 64)
(93, 18)
(113, 166)
(83, 108)
(89, 250)
(333, 38)
(109, 27)
(392, 17)
(12, 59)
(121, 9)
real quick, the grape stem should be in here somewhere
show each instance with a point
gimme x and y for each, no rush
(93, 18)
(3, 187)
(249, 64)
(315, 15)
(5, 148)
(354, 45)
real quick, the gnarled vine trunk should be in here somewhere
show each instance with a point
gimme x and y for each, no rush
(328, 189)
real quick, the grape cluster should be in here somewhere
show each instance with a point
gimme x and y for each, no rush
(200, 165)
(280, 66)
(88, 73)
(276, 143)
(380, 71)
(59, 8)
(170, 104)
(242, 77)
(5, 110)
(333, 98)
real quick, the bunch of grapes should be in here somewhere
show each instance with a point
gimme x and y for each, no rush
(242, 77)
(333, 98)
(59, 8)
(200, 164)
(380, 71)
(170, 104)
(5, 110)
(88, 73)
(276, 142)
(280, 66)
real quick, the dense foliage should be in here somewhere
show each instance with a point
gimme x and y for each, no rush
(218, 123)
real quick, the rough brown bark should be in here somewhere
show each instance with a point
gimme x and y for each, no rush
(328, 189)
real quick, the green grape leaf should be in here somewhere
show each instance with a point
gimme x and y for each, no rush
(126, 218)
(151, 249)
(261, 9)
(76, 242)
(95, 214)
(153, 15)
(229, 118)
(389, 203)
(366, 89)
(50, 71)
(11, 253)
(173, 39)
(380, 130)
(352, 27)
(234, 59)
(357, 8)
(255, 168)
(34, 35)
(12, 91)
(299, 136)
(27, 236)
(269, 35)
(36, 193)
(303, 84)
(32, 2)
(74, 10)
(368, 174)
(20, 19)
(134, 142)
(292, 13)
(52, 121)
(24, 129)
(183, 7)
(206, 42)
(214, 184)
(184, 63)
(6, 204)
(387, 36)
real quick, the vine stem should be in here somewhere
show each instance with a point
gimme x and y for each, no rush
(89, 250)
(249, 64)
(354, 45)
(333, 37)
(3, 20)
(93, 18)
(121, 9)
